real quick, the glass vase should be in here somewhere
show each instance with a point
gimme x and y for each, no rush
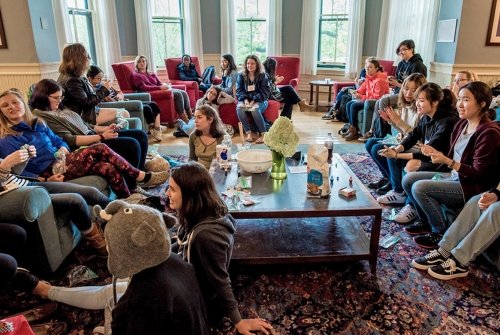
(278, 170)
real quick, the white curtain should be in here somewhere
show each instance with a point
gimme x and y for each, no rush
(309, 36)
(61, 18)
(274, 28)
(408, 19)
(227, 28)
(193, 38)
(107, 37)
(355, 36)
(143, 22)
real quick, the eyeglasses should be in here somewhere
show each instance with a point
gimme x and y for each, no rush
(460, 79)
(402, 50)
(58, 98)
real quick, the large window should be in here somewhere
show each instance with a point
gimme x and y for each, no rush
(333, 25)
(251, 28)
(168, 32)
(80, 19)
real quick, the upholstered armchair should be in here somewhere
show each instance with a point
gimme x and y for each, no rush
(192, 87)
(51, 238)
(165, 100)
(388, 66)
(288, 67)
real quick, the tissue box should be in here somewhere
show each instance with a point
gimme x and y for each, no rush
(347, 192)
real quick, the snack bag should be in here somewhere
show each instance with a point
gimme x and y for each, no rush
(318, 172)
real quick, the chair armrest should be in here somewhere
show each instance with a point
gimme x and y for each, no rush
(186, 83)
(294, 82)
(26, 204)
(216, 80)
(143, 96)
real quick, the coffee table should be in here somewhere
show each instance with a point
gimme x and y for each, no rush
(330, 237)
(315, 85)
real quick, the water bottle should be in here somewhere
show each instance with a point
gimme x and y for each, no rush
(329, 146)
(223, 151)
(59, 165)
(228, 143)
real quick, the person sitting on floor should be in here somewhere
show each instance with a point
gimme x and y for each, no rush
(54, 161)
(474, 161)
(473, 231)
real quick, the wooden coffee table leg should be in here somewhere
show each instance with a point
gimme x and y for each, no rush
(311, 94)
(374, 239)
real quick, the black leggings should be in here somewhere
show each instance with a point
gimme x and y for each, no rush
(12, 241)
(150, 110)
(290, 98)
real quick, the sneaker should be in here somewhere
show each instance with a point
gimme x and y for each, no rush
(392, 198)
(156, 133)
(157, 178)
(376, 184)
(329, 115)
(428, 241)
(406, 214)
(417, 228)
(433, 258)
(449, 269)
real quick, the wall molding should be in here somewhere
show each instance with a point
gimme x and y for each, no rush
(22, 75)
(443, 73)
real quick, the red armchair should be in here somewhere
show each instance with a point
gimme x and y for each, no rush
(228, 114)
(193, 89)
(123, 72)
(289, 68)
(388, 66)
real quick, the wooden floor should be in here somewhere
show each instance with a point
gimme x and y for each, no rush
(309, 126)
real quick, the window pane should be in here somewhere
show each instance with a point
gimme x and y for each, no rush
(333, 27)
(251, 28)
(82, 4)
(167, 40)
(170, 8)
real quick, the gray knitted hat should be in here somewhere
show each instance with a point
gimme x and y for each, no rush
(136, 236)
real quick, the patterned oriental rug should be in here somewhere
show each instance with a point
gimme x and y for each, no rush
(338, 298)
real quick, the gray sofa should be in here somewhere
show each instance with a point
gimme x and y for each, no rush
(51, 238)
(133, 105)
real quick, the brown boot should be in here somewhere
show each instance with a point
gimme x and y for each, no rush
(96, 240)
(353, 134)
(304, 106)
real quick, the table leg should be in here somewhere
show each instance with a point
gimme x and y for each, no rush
(329, 94)
(317, 98)
(374, 239)
(311, 94)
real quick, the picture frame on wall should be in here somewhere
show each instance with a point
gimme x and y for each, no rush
(493, 37)
(3, 41)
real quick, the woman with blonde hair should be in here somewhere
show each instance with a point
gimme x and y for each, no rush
(461, 79)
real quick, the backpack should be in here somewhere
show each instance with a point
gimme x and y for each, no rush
(342, 112)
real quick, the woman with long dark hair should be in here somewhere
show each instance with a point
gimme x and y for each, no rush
(229, 74)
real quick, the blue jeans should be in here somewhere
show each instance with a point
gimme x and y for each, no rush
(258, 119)
(428, 195)
(473, 231)
(352, 108)
(373, 146)
(396, 167)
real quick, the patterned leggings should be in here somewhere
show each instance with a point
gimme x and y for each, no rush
(99, 159)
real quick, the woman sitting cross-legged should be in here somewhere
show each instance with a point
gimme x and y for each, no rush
(229, 74)
(402, 121)
(46, 103)
(205, 239)
(474, 230)
(437, 108)
(209, 132)
(285, 94)
(474, 161)
(150, 109)
(252, 92)
(147, 81)
(65, 197)
(374, 87)
(214, 97)
(18, 127)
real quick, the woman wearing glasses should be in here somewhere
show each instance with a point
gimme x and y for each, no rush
(462, 78)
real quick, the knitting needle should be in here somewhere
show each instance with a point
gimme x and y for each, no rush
(240, 127)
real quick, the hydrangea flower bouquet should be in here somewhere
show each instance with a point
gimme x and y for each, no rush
(282, 140)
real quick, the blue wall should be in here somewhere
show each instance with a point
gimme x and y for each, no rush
(46, 45)
(445, 51)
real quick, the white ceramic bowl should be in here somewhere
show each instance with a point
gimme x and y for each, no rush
(254, 160)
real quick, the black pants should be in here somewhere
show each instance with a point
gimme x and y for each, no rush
(150, 110)
(12, 241)
(290, 98)
(132, 145)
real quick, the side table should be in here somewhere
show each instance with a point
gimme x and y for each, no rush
(315, 85)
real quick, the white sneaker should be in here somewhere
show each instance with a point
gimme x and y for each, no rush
(406, 214)
(392, 198)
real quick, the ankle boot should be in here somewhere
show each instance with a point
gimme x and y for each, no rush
(304, 106)
(96, 240)
(353, 134)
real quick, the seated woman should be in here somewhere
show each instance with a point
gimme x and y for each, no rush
(473, 231)
(79, 94)
(46, 103)
(18, 127)
(150, 109)
(437, 108)
(229, 74)
(252, 93)
(205, 239)
(209, 132)
(187, 71)
(461, 79)
(474, 161)
(285, 94)
(374, 87)
(213, 98)
(403, 121)
(147, 81)
(65, 197)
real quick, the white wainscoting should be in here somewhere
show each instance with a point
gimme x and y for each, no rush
(22, 75)
(443, 73)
